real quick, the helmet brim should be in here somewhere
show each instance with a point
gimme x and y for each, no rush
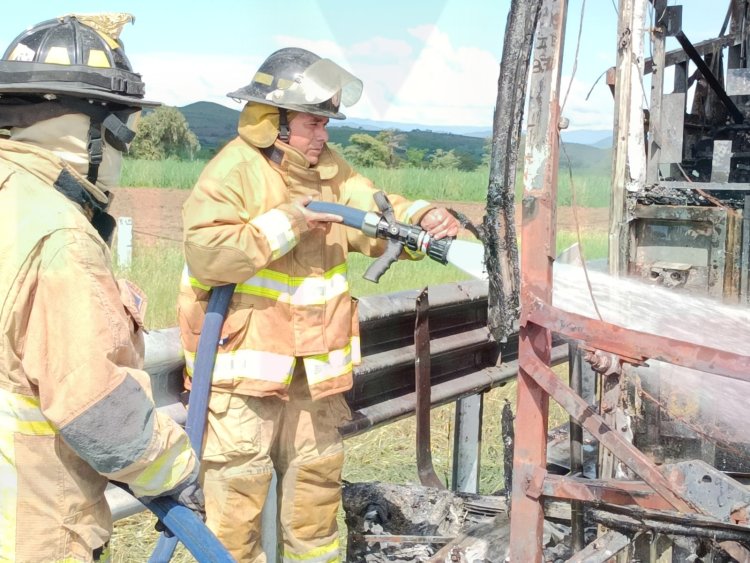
(78, 90)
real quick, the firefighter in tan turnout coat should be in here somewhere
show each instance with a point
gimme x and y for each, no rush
(290, 338)
(74, 409)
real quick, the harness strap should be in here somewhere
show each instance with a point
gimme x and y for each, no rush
(273, 153)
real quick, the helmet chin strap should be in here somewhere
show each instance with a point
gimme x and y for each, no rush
(283, 125)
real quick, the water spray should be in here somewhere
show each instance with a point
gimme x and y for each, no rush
(465, 255)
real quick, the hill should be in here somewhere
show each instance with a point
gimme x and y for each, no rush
(215, 124)
(212, 123)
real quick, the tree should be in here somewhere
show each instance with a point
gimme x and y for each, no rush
(366, 150)
(442, 159)
(164, 133)
(393, 142)
(415, 157)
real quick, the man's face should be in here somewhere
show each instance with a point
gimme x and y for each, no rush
(307, 134)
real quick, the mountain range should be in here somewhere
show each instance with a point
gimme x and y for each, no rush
(215, 124)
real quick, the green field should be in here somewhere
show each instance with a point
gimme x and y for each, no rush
(591, 189)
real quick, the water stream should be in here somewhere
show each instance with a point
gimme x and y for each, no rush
(715, 404)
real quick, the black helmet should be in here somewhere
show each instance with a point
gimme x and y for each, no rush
(61, 66)
(299, 80)
(77, 56)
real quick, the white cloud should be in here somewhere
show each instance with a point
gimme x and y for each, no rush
(427, 79)
(322, 47)
(178, 79)
(442, 85)
(595, 113)
(381, 47)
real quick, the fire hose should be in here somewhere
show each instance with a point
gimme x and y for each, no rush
(465, 255)
(181, 521)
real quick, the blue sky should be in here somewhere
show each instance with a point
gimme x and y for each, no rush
(422, 61)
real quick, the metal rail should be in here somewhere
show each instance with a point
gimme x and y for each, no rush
(462, 361)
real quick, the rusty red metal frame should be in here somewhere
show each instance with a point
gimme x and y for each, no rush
(539, 320)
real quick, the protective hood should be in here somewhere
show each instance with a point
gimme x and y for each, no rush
(66, 136)
(259, 124)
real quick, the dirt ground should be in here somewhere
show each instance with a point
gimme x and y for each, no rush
(157, 216)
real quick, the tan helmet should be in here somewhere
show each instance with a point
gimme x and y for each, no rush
(296, 79)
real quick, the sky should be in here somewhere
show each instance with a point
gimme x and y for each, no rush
(434, 62)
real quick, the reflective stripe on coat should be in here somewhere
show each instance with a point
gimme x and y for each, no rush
(292, 296)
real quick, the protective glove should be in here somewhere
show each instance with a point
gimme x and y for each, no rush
(190, 496)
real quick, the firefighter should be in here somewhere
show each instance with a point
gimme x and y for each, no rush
(290, 338)
(75, 409)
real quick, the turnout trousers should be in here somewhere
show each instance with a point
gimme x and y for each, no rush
(246, 439)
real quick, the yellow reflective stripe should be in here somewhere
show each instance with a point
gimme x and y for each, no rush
(278, 368)
(263, 78)
(277, 229)
(9, 496)
(248, 364)
(297, 291)
(165, 472)
(323, 554)
(323, 367)
(22, 414)
(58, 56)
(189, 281)
(414, 208)
(98, 58)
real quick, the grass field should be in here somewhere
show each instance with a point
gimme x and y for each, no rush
(414, 183)
(387, 453)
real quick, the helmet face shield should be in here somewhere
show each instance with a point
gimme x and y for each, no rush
(322, 81)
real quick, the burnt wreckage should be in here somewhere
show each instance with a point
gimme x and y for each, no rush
(651, 469)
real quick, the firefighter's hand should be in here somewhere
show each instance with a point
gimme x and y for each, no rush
(190, 497)
(317, 220)
(440, 223)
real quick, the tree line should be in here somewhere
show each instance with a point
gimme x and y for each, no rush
(165, 134)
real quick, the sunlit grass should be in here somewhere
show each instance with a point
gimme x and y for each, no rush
(591, 190)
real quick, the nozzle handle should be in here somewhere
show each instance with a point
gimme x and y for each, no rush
(381, 265)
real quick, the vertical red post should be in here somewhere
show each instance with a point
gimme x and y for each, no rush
(537, 256)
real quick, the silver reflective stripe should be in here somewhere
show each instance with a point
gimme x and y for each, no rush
(328, 366)
(278, 368)
(414, 208)
(297, 291)
(277, 229)
(248, 364)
